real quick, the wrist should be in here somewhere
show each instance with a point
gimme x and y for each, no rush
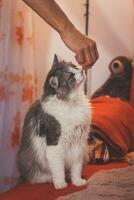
(66, 29)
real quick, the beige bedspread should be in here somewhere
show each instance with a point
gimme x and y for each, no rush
(114, 184)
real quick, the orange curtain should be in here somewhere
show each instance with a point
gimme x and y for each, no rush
(17, 82)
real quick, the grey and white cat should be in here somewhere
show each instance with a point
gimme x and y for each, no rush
(56, 128)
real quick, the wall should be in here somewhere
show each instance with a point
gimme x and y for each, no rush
(112, 26)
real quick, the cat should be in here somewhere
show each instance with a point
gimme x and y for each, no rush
(56, 128)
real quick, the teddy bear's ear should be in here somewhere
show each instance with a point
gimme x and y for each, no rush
(116, 67)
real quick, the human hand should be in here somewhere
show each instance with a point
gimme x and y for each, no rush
(84, 47)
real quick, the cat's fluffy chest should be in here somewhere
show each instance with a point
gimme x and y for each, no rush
(69, 115)
(74, 121)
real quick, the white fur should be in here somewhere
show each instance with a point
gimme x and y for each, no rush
(39, 145)
(79, 77)
(74, 117)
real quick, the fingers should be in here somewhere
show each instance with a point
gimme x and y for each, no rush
(96, 52)
(87, 56)
(80, 58)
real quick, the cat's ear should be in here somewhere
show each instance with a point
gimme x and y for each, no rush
(55, 60)
(54, 82)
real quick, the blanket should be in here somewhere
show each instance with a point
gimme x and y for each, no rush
(113, 122)
(117, 184)
(47, 191)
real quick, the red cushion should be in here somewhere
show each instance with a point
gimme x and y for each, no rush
(115, 120)
(47, 192)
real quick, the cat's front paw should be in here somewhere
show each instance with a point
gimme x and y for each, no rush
(60, 185)
(79, 182)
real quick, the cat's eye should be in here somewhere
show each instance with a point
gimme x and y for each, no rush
(69, 73)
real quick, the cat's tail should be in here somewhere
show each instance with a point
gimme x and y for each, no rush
(20, 180)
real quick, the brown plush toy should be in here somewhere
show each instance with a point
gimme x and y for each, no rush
(119, 82)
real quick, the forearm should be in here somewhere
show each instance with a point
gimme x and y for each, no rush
(49, 11)
(84, 48)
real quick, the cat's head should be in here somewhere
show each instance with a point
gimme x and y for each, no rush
(63, 79)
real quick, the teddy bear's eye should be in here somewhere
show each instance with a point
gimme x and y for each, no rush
(117, 67)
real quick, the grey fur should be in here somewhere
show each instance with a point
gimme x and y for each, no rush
(66, 80)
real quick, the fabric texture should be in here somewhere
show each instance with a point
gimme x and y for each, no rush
(47, 191)
(114, 184)
(113, 122)
(17, 82)
(100, 152)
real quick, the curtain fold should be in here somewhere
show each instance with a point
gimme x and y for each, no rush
(17, 82)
